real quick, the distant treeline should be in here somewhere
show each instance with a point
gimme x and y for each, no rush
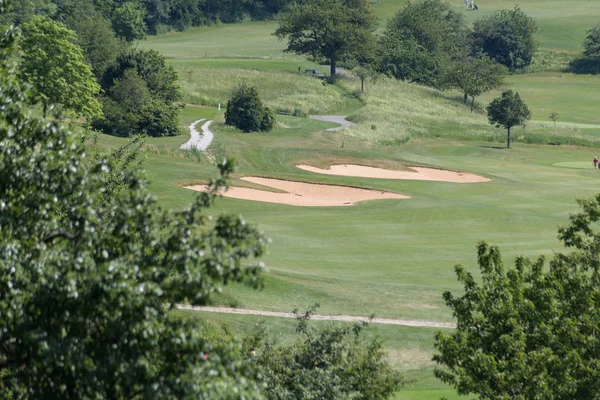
(157, 15)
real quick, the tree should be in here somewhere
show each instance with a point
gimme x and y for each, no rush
(21, 11)
(507, 37)
(95, 36)
(246, 112)
(330, 363)
(474, 76)
(142, 96)
(327, 28)
(128, 21)
(87, 281)
(421, 40)
(591, 43)
(529, 332)
(53, 65)
(554, 116)
(507, 111)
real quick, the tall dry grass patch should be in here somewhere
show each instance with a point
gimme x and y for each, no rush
(296, 94)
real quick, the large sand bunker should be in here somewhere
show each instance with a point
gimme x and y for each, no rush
(303, 194)
(421, 174)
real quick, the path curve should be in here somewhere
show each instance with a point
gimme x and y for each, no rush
(317, 317)
(197, 141)
(338, 119)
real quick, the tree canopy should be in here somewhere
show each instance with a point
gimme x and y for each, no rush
(508, 111)
(507, 37)
(87, 280)
(335, 362)
(529, 331)
(474, 76)
(53, 64)
(421, 40)
(591, 43)
(142, 96)
(327, 28)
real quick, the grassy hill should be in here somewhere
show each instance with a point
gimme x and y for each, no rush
(393, 258)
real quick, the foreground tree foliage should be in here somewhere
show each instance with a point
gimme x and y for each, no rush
(508, 111)
(531, 331)
(327, 28)
(246, 111)
(421, 40)
(507, 37)
(331, 363)
(54, 66)
(90, 267)
(142, 96)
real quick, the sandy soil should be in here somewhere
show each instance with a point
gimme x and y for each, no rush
(346, 318)
(303, 194)
(420, 174)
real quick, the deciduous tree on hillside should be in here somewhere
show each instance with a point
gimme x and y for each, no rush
(54, 66)
(508, 111)
(327, 28)
(474, 76)
(591, 44)
(529, 331)
(507, 37)
(421, 40)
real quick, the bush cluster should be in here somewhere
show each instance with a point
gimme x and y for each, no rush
(246, 111)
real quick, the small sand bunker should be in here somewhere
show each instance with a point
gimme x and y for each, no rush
(303, 194)
(421, 174)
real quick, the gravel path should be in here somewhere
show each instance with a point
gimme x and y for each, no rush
(338, 119)
(345, 318)
(198, 141)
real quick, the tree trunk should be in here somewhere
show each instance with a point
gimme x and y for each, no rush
(362, 85)
(508, 141)
(332, 67)
(472, 103)
(465, 99)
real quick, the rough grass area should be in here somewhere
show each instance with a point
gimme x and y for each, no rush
(285, 92)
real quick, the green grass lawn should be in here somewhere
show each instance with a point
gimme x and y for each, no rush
(393, 258)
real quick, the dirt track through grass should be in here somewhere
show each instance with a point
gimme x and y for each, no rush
(316, 317)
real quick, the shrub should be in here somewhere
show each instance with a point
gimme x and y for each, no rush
(246, 111)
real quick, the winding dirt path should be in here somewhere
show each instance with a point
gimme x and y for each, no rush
(317, 317)
(338, 119)
(197, 141)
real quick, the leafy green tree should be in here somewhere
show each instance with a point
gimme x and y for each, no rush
(507, 37)
(421, 40)
(474, 76)
(591, 43)
(246, 111)
(529, 331)
(330, 363)
(95, 36)
(53, 64)
(142, 96)
(128, 21)
(327, 28)
(87, 281)
(21, 11)
(508, 111)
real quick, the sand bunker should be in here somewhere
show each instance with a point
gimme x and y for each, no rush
(303, 194)
(421, 174)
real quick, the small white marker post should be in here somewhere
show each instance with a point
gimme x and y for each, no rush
(219, 106)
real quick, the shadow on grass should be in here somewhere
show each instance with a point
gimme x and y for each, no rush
(585, 65)
(494, 147)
